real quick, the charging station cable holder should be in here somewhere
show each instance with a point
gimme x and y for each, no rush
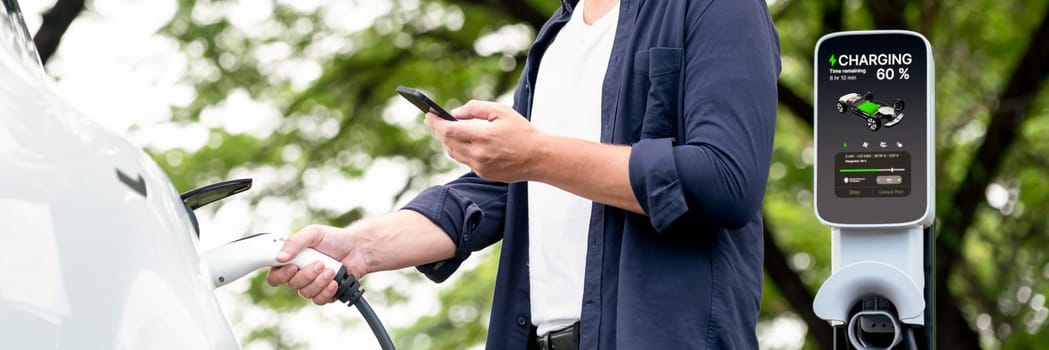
(873, 263)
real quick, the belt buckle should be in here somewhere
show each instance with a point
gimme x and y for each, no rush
(544, 341)
(567, 338)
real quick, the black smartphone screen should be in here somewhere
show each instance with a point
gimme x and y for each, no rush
(425, 104)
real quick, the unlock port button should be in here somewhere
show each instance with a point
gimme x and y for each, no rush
(889, 180)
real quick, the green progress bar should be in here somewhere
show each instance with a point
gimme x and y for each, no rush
(862, 170)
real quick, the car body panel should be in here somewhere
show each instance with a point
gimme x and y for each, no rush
(90, 262)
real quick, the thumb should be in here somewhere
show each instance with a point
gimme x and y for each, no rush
(309, 236)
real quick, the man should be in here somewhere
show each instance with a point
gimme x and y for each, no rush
(629, 208)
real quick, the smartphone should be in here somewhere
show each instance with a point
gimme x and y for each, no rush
(425, 104)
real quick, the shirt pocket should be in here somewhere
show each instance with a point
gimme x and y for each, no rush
(661, 66)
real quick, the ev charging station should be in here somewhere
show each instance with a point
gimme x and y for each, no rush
(875, 186)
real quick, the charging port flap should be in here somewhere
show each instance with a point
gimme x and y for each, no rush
(202, 196)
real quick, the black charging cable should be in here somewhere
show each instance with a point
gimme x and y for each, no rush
(350, 292)
(912, 343)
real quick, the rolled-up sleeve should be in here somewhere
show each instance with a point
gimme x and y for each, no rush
(656, 185)
(719, 171)
(470, 210)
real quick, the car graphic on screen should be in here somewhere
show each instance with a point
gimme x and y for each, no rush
(877, 114)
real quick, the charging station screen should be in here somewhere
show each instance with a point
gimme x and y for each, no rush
(871, 108)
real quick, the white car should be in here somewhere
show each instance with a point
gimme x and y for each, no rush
(97, 250)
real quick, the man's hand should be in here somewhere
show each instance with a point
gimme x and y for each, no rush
(315, 282)
(500, 145)
(392, 241)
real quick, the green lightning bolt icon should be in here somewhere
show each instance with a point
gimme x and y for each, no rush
(833, 61)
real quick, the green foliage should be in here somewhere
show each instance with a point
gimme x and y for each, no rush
(334, 110)
(272, 335)
(461, 322)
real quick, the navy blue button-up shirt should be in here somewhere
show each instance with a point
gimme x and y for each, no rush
(691, 85)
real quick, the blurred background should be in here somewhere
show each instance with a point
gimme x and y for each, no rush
(299, 95)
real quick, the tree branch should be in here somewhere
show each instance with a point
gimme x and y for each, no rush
(800, 107)
(887, 14)
(1025, 83)
(56, 22)
(832, 18)
(520, 10)
(794, 290)
(930, 10)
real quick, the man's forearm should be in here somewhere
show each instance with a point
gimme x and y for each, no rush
(595, 171)
(402, 239)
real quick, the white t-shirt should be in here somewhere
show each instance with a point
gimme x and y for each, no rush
(567, 102)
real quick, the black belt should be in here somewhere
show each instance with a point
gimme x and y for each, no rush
(563, 339)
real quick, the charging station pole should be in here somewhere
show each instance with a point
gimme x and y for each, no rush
(875, 186)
